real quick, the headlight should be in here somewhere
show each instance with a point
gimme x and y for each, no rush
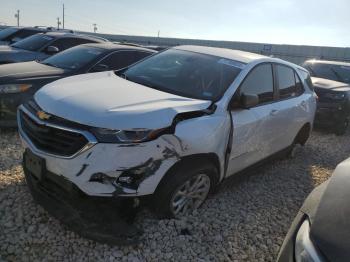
(335, 96)
(305, 250)
(14, 88)
(105, 135)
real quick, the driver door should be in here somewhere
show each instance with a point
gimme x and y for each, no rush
(253, 128)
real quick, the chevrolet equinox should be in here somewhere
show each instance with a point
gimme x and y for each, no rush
(172, 126)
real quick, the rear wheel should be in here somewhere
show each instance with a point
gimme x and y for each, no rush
(184, 190)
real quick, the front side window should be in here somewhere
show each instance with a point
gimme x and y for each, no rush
(259, 82)
(186, 73)
(33, 43)
(286, 82)
(74, 58)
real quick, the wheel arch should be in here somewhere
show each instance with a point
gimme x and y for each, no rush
(190, 160)
(303, 134)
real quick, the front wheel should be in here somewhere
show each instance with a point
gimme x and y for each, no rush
(184, 190)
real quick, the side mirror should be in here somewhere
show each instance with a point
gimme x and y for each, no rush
(100, 68)
(247, 100)
(52, 50)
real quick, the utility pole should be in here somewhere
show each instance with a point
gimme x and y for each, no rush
(95, 27)
(17, 16)
(63, 17)
(158, 33)
(58, 23)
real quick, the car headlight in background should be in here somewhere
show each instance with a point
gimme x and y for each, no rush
(14, 88)
(105, 135)
(305, 250)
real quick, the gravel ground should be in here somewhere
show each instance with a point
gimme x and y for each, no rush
(245, 221)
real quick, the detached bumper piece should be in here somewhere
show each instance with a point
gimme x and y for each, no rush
(106, 220)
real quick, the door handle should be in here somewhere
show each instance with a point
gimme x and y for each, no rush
(273, 112)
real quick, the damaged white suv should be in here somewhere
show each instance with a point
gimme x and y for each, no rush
(172, 126)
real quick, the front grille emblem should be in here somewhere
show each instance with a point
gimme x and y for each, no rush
(42, 115)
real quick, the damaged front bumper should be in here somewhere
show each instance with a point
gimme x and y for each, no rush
(108, 169)
(100, 219)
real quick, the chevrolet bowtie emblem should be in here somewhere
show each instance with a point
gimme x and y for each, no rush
(42, 115)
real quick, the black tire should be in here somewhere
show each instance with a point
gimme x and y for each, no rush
(174, 179)
(341, 128)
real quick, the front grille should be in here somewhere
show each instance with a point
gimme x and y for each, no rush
(50, 139)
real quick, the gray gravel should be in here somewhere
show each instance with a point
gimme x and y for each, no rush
(245, 221)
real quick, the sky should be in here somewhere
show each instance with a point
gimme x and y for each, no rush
(300, 22)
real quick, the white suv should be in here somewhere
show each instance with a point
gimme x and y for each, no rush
(173, 125)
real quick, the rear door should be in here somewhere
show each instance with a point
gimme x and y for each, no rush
(290, 106)
(254, 128)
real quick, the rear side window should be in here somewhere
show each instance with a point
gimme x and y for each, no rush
(259, 82)
(286, 82)
(299, 86)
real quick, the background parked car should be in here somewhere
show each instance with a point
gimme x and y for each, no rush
(321, 229)
(41, 46)
(333, 107)
(18, 82)
(11, 35)
(333, 70)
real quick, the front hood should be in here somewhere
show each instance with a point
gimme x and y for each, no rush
(327, 84)
(330, 229)
(12, 72)
(108, 101)
(12, 54)
(4, 42)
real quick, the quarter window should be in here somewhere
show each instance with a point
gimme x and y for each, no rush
(259, 82)
(305, 77)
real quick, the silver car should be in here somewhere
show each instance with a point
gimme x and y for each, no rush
(172, 126)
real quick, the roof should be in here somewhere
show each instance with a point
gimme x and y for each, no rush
(65, 34)
(112, 46)
(237, 55)
(314, 61)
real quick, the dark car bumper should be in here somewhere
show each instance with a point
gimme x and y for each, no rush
(330, 114)
(98, 218)
(8, 107)
(286, 253)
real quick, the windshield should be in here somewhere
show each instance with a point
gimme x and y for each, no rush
(339, 73)
(34, 42)
(186, 74)
(74, 58)
(7, 32)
